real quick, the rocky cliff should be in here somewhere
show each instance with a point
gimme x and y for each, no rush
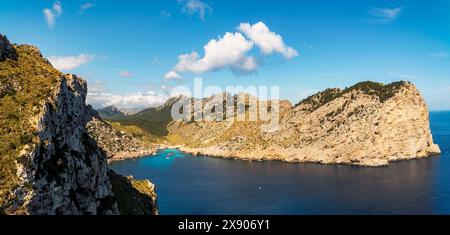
(368, 124)
(121, 142)
(49, 162)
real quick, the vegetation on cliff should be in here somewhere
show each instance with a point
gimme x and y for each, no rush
(152, 120)
(134, 197)
(25, 82)
(49, 163)
(121, 142)
(380, 90)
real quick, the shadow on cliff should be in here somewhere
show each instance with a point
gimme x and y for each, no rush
(129, 199)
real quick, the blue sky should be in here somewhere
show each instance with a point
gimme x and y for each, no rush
(125, 49)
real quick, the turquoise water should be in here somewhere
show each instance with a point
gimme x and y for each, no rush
(203, 185)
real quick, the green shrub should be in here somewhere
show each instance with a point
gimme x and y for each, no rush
(28, 80)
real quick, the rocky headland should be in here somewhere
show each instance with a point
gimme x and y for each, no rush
(368, 124)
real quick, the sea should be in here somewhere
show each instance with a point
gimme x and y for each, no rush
(188, 185)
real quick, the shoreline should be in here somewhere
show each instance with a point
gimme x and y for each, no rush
(376, 162)
(127, 155)
(199, 153)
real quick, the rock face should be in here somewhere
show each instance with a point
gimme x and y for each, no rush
(50, 164)
(119, 142)
(135, 197)
(6, 49)
(66, 168)
(369, 124)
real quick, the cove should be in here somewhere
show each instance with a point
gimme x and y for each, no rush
(203, 185)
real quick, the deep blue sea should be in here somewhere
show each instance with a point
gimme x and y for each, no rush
(204, 185)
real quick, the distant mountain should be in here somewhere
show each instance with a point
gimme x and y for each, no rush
(110, 112)
(152, 120)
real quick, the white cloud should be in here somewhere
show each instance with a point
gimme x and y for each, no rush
(85, 7)
(57, 8)
(232, 51)
(172, 75)
(385, 15)
(70, 62)
(195, 7)
(125, 74)
(129, 101)
(440, 55)
(228, 51)
(246, 66)
(269, 42)
(50, 15)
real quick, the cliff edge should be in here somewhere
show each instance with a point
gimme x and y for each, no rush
(49, 163)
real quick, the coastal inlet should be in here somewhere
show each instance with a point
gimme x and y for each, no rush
(205, 185)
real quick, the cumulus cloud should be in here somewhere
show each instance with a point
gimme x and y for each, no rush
(129, 101)
(172, 75)
(385, 15)
(233, 51)
(125, 74)
(245, 66)
(195, 7)
(227, 51)
(268, 41)
(86, 6)
(70, 62)
(50, 14)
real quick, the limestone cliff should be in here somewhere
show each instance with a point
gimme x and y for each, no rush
(368, 124)
(49, 163)
(121, 142)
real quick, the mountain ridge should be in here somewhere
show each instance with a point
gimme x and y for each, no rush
(110, 112)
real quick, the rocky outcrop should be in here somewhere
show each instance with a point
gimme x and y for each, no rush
(49, 162)
(63, 171)
(120, 144)
(135, 197)
(369, 124)
(6, 49)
